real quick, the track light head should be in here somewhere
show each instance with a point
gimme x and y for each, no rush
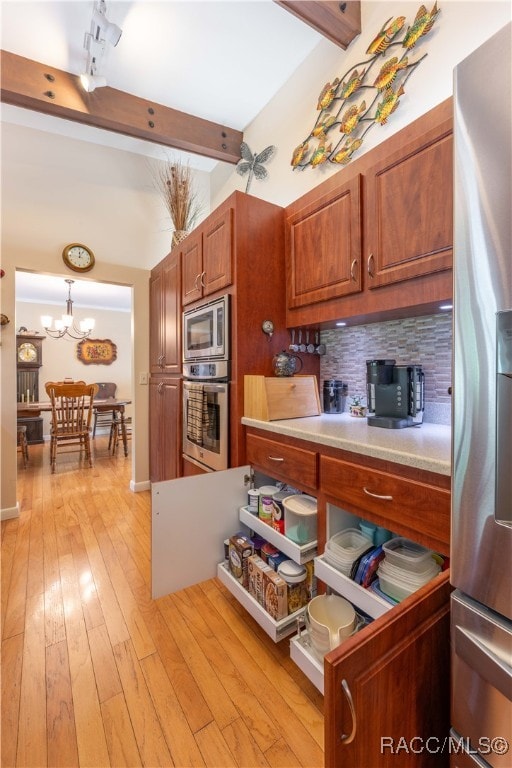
(91, 82)
(104, 29)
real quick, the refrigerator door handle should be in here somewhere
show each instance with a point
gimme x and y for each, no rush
(478, 656)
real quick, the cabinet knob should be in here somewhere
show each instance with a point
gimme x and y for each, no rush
(371, 265)
(347, 738)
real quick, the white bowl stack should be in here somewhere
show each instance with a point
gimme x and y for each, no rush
(406, 567)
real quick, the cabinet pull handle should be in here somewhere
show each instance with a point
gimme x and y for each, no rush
(377, 495)
(348, 738)
(275, 458)
(202, 282)
(353, 275)
(160, 387)
(196, 281)
(371, 265)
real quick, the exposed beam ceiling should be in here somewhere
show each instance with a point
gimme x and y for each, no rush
(339, 22)
(35, 86)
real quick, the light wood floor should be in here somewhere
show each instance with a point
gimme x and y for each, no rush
(95, 673)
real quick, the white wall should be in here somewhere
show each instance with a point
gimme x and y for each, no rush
(287, 120)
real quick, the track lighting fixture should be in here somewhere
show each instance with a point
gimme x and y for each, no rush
(102, 32)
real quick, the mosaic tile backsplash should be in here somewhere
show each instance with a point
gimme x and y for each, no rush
(426, 341)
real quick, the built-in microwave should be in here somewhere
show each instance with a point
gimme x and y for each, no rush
(206, 331)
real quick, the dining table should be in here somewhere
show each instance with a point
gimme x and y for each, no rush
(117, 406)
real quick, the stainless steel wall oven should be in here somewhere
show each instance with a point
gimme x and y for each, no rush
(206, 384)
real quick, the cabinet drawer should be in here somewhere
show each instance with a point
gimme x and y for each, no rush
(284, 462)
(414, 508)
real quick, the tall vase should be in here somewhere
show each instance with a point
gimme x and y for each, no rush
(178, 236)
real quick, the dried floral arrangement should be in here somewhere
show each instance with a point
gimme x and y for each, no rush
(337, 111)
(174, 179)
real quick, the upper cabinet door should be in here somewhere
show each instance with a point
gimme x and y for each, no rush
(323, 247)
(217, 252)
(409, 211)
(207, 257)
(192, 267)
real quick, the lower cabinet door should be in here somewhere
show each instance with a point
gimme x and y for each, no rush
(387, 688)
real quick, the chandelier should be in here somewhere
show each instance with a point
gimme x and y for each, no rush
(67, 325)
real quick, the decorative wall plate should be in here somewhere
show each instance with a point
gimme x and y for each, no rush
(96, 351)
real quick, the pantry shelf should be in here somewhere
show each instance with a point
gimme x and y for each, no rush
(307, 661)
(360, 597)
(276, 630)
(301, 554)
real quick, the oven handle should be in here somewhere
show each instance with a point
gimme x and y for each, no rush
(209, 387)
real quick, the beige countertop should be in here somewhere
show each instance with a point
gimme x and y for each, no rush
(427, 447)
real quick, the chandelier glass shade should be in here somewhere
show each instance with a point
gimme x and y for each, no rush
(67, 325)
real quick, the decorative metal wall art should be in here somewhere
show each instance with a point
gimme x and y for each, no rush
(338, 111)
(253, 164)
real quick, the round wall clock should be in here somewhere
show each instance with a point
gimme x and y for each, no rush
(27, 353)
(78, 257)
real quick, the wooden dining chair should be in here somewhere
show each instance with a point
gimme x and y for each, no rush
(72, 407)
(106, 389)
(116, 432)
(22, 444)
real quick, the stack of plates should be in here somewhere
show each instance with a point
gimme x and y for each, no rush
(344, 548)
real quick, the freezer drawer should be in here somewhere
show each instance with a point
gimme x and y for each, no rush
(481, 707)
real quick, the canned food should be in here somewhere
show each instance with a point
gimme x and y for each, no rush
(268, 550)
(295, 577)
(266, 509)
(253, 500)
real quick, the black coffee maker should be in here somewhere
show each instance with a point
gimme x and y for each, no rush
(395, 394)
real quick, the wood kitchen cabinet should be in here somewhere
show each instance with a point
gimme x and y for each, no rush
(207, 257)
(323, 244)
(391, 679)
(389, 685)
(164, 428)
(239, 248)
(165, 367)
(408, 203)
(374, 241)
(165, 316)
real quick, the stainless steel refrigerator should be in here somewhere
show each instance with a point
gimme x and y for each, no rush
(481, 551)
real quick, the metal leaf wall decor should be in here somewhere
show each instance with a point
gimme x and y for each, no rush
(354, 103)
(253, 164)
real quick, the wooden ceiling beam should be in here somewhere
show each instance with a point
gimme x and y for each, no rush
(338, 22)
(32, 85)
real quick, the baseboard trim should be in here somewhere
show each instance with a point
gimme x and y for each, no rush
(137, 487)
(10, 512)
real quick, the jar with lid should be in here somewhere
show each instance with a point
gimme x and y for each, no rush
(334, 395)
(295, 577)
